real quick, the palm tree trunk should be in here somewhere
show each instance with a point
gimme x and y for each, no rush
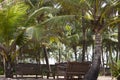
(46, 58)
(119, 37)
(84, 37)
(75, 52)
(93, 51)
(95, 68)
(8, 68)
(7, 61)
(59, 56)
(117, 53)
(107, 58)
(102, 57)
(84, 50)
(110, 54)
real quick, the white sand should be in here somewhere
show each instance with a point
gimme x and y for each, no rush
(99, 78)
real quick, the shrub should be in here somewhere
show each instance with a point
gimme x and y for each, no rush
(115, 69)
(1, 71)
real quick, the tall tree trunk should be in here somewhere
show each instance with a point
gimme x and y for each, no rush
(110, 54)
(102, 58)
(7, 61)
(8, 67)
(84, 37)
(119, 37)
(59, 56)
(75, 52)
(93, 51)
(46, 58)
(117, 53)
(107, 58)
(87, 54)
(95, 68)
(84, 48)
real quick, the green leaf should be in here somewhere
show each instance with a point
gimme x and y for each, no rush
(68, 28)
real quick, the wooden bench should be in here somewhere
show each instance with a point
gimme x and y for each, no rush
(60, 69)
(46, 72)
(28, 69)
(72, 70)
(76, 69)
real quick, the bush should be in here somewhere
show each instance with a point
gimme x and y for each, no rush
(115, 69)
(1, 71)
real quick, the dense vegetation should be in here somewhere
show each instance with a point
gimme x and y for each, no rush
(66, 30)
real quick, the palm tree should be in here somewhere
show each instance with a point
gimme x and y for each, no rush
(100, 15)
(99, 18)
(39, 12)
(12, 15)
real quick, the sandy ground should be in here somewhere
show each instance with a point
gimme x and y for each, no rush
(99, 78)
(105, 78)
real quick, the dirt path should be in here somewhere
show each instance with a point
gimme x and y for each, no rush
(99, 78)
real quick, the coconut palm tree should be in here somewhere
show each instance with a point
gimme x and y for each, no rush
(99, 17)
(39, 12)
(12, 15)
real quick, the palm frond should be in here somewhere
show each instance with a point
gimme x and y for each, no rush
(42, 11)
(10, 16)
(72, 3)
(105, 12)
(59, 20)
(30, 3)
(114, 22)
(69, 6)
(21, 38)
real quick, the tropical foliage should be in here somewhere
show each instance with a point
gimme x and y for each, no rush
(65, 30)
(12, 15)
(115, 69)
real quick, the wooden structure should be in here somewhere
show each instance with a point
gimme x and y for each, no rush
(28, 69)
(60, 69)
(72, 70)
(76, 69)
(28, 61)
(48, 73)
